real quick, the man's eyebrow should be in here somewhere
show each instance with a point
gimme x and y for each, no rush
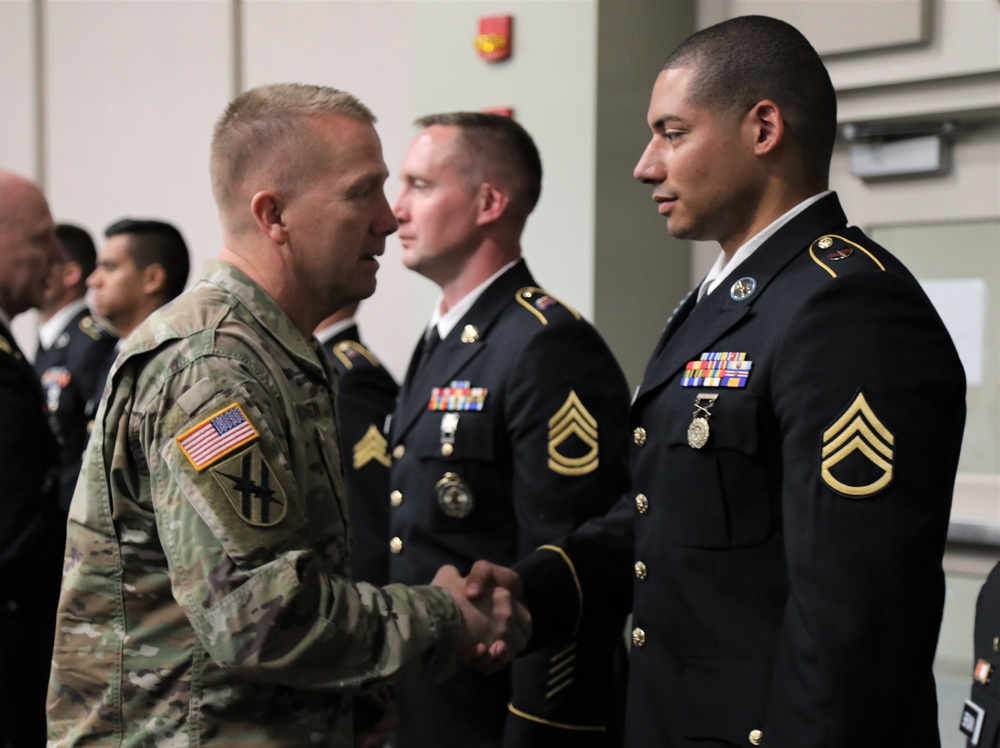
(662, 122)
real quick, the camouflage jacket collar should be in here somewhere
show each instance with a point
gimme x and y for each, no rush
(266, 311)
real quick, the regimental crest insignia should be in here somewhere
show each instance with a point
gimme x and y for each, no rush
(857, 453)
(248, 482)
(371, 446)
(573, 440)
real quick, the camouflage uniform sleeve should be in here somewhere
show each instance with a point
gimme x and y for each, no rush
(255, 538)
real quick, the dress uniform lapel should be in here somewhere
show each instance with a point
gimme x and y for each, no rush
(23, 367)
(685, 339)
(452, 355)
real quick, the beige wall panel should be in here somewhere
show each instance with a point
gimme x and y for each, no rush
(132, 91)
(367, 48)
(970, 191)
(18, 134)
(836, 26)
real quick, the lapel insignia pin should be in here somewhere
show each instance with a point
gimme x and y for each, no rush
(825, 243)
(983, 672)
(743, 289)
(470, 334)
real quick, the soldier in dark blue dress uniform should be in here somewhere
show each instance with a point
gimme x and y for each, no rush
(507, 435)
(366, 395)
(794, 440)
(75, 347)
(980, 721)
(143, 264)
(32, 527)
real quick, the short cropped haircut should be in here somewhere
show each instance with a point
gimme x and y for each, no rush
(747, 59)
(268, 128)
(497, 148)
(153, 242)
(78, 246)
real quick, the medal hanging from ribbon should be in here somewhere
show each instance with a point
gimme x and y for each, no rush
(698, 431)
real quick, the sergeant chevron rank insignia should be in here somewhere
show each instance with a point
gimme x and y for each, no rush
(371, 446)
(857, 452)
(246, 480)
(573, 439)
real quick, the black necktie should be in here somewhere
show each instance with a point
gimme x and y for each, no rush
(431, 342)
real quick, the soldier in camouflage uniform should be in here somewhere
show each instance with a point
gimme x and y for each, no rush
(206, 598)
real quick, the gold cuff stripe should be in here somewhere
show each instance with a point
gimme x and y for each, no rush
(847, 241)
(560, 725)
(576, 579)
(561, 687)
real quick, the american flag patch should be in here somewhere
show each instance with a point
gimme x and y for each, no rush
(217, 435)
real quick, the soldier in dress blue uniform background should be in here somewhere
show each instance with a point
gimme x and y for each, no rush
(366, 395)
(32, 527)
(143, 264)
(980, 721)
(794, 440)
(508, 434)
(74, 348)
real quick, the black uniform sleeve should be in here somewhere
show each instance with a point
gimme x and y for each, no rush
(870, 408)
(568, 440)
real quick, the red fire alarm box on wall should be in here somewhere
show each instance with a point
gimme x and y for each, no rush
(494, 42)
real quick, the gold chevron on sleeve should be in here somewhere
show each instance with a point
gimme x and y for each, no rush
(858, 430)
(572, 420)
(371, 446)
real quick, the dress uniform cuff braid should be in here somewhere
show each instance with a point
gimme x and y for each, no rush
(553, 594)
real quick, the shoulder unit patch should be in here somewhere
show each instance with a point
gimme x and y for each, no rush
(573, 444)
(246, 480)
(857, 453)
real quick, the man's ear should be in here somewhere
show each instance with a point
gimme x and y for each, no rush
(154, 277)
(492, 204)
(768, 124)
(268, 209)
(72, 274)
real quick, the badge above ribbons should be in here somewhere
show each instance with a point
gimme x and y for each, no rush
(572, 420)
(857, 433)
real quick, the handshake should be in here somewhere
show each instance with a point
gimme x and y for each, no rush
(496, 625)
